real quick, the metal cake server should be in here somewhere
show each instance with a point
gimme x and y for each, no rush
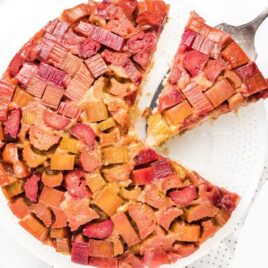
(244, 35)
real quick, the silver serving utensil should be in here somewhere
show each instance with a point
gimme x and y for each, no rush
(244, 35)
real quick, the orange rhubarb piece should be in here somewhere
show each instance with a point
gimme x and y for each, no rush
(51, 197)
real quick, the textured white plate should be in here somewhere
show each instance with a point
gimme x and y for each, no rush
(230, 151)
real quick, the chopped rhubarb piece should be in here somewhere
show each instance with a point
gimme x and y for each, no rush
(46, 47)
(171, 182)
(235, 55)
(60, 218)
(154, 197)
(69, 109)
(41, 139)
(78, 212)
(36, 87)
(143, 58)
(80, 253)
(55, 121)
(143, 176)
(115, 58)
(76, 13)
(57, 56)
(63, 245)
(156, 257)
(6, 91)
(100, 248)
(15, 64)
(220, 92)
(72, 41)
(12, 125)
(20, 170)
(99, 230)
(185, 196)
(152, 13)
(125, 229)
(144, 218)
(228, 202)
(97, 111)
(84, 28)
(166, 217)
(200, 211)
(235, 101)
(58, 233)
(3, 111)
(34, 227)
(222, 217)
(103, 262)
(96, 65)
(31, 187)
(188, 38)
(89, 160)
(108, 201)
(118, 173)
(145, 156)
(162, 169)
(26, 73)
(132, 72)
(256, 84)
(185, 249)
(247, 71)
(233, 78)
(95, 182)
(186, 233)
(51, 197)
(115, 155)
(197, 99)
(169, 99)
(52, 96)
(84, 133)
(75, 184)
(206, 46)
(89, 48)
(52, 180)
(142, 41)
(57, 28)
(107, 38)
(13, 189)
(209, 229)
(52, 75)
(71, 64)
(80, 84)
(32, 158)
(129, 6)
(43, 213)
(130, 260)
(22, 98)
(62, 161)
(213, 68)
(19, 207)
(194, 61)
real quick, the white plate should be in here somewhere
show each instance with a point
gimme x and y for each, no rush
(230, 151)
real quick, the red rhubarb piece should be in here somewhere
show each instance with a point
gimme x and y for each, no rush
(84, 133)
(69, 109)
(145, 156)
(80, 253)
(89, 48)
(3, 111)
(31, 187)
(12, 125)
(155, 257)
(6, 91)
(52, 74)
(143, 58)
(142, 41)
(129, 6)
(115, 58)
(188, 38)
(130, 260)
(169, 99)
(143, 176)
(99, 230)
(46, 47)
(185, 196)
(36, 87)
(96, 65)
(162, 169)
(213, 68)
(89, 160)
(26, 73)
(247, 71)
(58, 28)
(107, 38)
(132, 72)
(15, 64)
(205, 46)
(55, 121)
(194, 61)
(75, 184)
(84, 28)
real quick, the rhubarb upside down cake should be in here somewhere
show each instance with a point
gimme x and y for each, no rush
(72, 168)
(211, 75)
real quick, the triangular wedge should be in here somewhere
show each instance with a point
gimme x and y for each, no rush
(211, 75)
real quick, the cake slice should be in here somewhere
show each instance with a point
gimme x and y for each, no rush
(211, 75)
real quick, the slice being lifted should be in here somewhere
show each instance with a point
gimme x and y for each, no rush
(210, 76)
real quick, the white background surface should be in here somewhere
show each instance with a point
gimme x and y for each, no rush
(16, 14)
